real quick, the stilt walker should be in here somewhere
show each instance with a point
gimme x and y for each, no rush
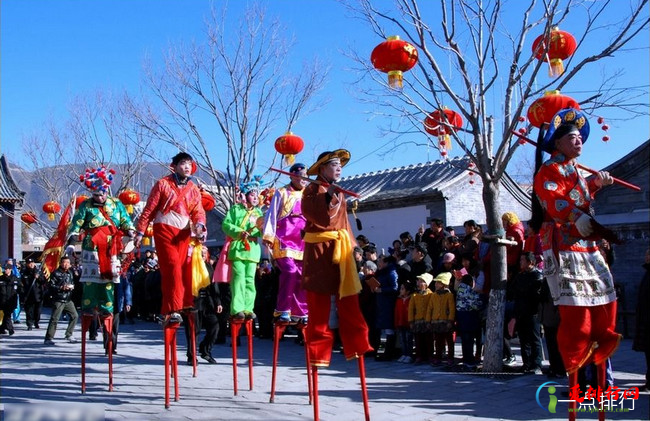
(577, 274)
(242, 225)
(174, 206)
(329, 270)
(104, 220)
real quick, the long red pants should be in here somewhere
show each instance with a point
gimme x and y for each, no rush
(175, 267)
(352, 328)
(587, 334)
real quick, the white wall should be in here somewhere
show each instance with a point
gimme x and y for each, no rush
(382, 227)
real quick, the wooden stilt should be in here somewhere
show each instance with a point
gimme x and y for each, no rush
(86, 320)
(573, 381)
(364, 389)
(171, 360)
(107, 325)
(314, 375)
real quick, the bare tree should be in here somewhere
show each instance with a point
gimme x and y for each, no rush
(473, 54)
(226, 96)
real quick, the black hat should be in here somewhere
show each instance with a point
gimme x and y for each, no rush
(29, 260)
(297, 167)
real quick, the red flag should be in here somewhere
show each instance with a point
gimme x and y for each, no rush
(54, 247)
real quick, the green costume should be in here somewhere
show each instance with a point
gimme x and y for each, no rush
(100, 235)
(244, 255)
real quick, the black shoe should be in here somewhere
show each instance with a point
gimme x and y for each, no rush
(239, 316)
(36, 326)
(29, 328)
(190, 362)
(208, 358)
(250, 315)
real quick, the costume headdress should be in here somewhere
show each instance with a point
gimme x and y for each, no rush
(97, 179)
(325, 157)
(562, 123)
(253, 185)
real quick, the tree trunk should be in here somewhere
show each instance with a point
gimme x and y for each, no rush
(493, 357)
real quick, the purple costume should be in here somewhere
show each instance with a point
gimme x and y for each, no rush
(282, 227)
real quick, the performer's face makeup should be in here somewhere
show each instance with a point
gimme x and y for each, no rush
(252, 197)
(184, 168)
(570, 145)
(332, 170)
(99, 197)
(297, 182)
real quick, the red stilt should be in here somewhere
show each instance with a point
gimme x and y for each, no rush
(601, 369)
(314, 375)
(235, 327)
(249, 332)
(303, 328)
(364, 389)
(573, 405)
(86, 320)
(107, 325)
(171, 359)
(278, 331)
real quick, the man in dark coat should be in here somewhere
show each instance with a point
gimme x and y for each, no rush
(62, 283)
(32, 284)
(527, 288)
(9, 285)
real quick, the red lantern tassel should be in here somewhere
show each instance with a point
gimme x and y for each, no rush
(556, 67)
(289, 160)
(247, 245)
(396, 79)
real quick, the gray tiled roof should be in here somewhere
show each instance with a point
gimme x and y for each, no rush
(419, 180)
(9, 192)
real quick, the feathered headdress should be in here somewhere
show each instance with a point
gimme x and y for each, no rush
(252, 185)
(97, 179)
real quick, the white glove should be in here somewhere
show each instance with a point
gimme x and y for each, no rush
(603, 178)
(583, 224)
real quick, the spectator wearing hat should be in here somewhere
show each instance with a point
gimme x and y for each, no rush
(282, 234)
(442, 315)
(243, 223)
(417, 316)
(62, 284)
(174, 206)
(578, 276)
(9, 289)
(33, 287)
(514, 232)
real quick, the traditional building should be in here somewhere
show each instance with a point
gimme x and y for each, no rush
(402, 199)
(11, 204)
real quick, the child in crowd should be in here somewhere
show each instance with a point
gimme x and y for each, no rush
(402, 323)
(442, 313)
(417, 317)
(468, 305)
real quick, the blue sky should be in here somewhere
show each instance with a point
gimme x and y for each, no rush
(52, 51)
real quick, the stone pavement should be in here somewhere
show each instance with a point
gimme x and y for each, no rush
(46, 383)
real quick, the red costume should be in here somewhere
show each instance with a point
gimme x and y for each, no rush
(172, 206)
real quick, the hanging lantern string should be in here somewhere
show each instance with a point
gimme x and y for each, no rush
(616, 180)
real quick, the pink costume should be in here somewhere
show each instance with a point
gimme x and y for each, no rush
(172, 207)
(282, 227)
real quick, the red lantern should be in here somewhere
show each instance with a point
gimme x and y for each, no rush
(129, 197)
(394, 56)
(148, 233)
(289, 145)
(543, 109)
(51, 208)
(553, 48)
(28, 218)
(79, 200)
(207, 201)
(442, 123)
